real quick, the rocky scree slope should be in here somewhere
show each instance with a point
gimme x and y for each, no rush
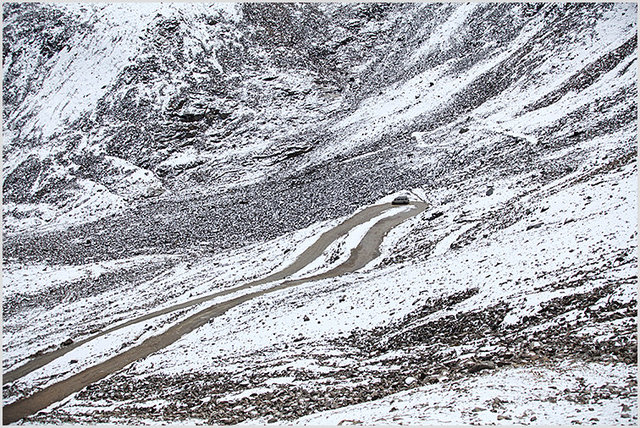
(124, 119)
(160, 135)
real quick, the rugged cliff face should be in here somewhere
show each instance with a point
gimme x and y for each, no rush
(139, 138)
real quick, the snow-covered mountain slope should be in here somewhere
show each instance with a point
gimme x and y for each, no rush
(156, 152)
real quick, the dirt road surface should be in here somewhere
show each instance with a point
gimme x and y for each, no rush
(367, 250)
(304, 259)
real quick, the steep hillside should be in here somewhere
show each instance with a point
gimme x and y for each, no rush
(187, 110)
(157, 152)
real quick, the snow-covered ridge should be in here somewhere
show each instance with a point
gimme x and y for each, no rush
(129, 85)
(157, 153)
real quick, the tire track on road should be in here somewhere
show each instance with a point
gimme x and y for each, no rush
(303, 260)
(367, 250)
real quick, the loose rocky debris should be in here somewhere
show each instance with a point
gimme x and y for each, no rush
(398, 357)
(268, 121)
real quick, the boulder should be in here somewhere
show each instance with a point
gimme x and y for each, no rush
(477, 367)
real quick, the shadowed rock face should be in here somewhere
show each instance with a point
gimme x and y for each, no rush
(215, 119)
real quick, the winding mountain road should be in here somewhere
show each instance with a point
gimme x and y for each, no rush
(367, 250)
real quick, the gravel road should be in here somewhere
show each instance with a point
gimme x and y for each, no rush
(366, 251)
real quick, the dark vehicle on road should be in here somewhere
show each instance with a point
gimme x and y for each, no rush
(400, 200)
